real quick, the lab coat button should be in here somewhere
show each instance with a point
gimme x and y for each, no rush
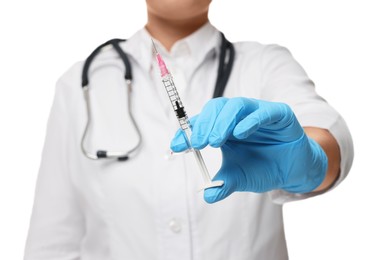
(175, 226)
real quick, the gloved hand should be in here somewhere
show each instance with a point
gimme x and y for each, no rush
(263, 146)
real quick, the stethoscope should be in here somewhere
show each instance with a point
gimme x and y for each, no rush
(225, 65)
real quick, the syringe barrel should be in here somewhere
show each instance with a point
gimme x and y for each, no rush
(175, 101)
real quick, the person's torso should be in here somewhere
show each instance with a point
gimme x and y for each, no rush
(150, 206)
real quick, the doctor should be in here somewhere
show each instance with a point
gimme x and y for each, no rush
(279, 142)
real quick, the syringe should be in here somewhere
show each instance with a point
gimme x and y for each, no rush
(182, 117)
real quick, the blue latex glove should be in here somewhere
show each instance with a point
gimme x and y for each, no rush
(264, 147)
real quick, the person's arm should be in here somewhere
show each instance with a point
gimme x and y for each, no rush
(56, 226)
(332, 150)
(284, 80)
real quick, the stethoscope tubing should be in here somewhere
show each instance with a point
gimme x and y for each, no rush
(227, 55)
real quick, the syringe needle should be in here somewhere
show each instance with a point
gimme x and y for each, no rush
(155, 47)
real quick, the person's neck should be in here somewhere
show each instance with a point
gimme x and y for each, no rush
(168, 32)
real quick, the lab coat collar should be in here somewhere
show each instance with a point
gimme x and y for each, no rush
(139, 46)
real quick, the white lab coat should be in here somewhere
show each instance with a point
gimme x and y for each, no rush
(149, 207)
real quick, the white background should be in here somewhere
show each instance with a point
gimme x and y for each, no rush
(336, 41)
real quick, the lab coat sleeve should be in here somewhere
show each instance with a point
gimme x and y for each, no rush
(284, 80)
(56, 226)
